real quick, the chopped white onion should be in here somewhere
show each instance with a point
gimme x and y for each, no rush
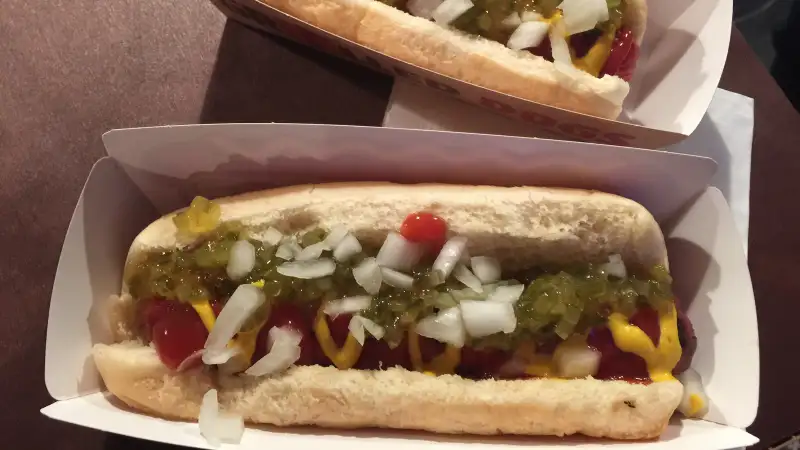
(241, 260)
(398, 253)
(308, 270)
(449, 256)
(450, 10)
(213, 356)
(284, 350)
(397, 279)
(576, 360)
(528, 35)
(512, 21)
(347, 247)
(357, 326)
(486, 268)
(615, 266)
(368, 275)
(237, 364)
(190, 360)
(244, 301)
(694, 402)
(558, 44)
(583, 15)
(446, 326)
(336, 235)
(530, 16)
(288, 249)
(347, 305)
(466, 294)
(482, 318)
(445, 300)
(422, 8)
(217, 427)
(464, 275)
(313, 251)
(506, 294)
(272, 236)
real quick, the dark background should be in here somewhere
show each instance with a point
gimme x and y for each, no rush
(772, 28)
(69, 71)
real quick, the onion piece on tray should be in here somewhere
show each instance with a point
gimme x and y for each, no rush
(215, 426)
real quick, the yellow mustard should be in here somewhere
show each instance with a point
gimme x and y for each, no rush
(660, 359)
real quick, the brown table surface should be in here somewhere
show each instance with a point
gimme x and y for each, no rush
(70, 71)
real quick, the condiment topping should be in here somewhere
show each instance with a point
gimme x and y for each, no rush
(453, 315)
(592, 28)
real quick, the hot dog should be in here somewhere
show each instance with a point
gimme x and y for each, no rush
(573, 54)
(452, 309)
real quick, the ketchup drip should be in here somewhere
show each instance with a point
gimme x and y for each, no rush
(175, 329)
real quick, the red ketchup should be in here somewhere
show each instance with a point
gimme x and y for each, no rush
(175, 330)
(616, 364)
(425, 228)
(621, 59)
(481, 363)
(339, 327)
(290, 316)
(624, 53)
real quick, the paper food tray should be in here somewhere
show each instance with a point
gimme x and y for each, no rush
(150, 171)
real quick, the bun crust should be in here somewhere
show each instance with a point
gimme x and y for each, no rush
(516, 225)
(476, 60)
(397, 398)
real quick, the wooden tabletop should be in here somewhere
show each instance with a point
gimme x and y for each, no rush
(70, 71)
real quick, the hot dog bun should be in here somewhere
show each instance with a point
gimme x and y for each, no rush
(513, 224)
(479, 61)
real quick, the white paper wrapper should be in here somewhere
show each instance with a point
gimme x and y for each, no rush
(155, 170)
